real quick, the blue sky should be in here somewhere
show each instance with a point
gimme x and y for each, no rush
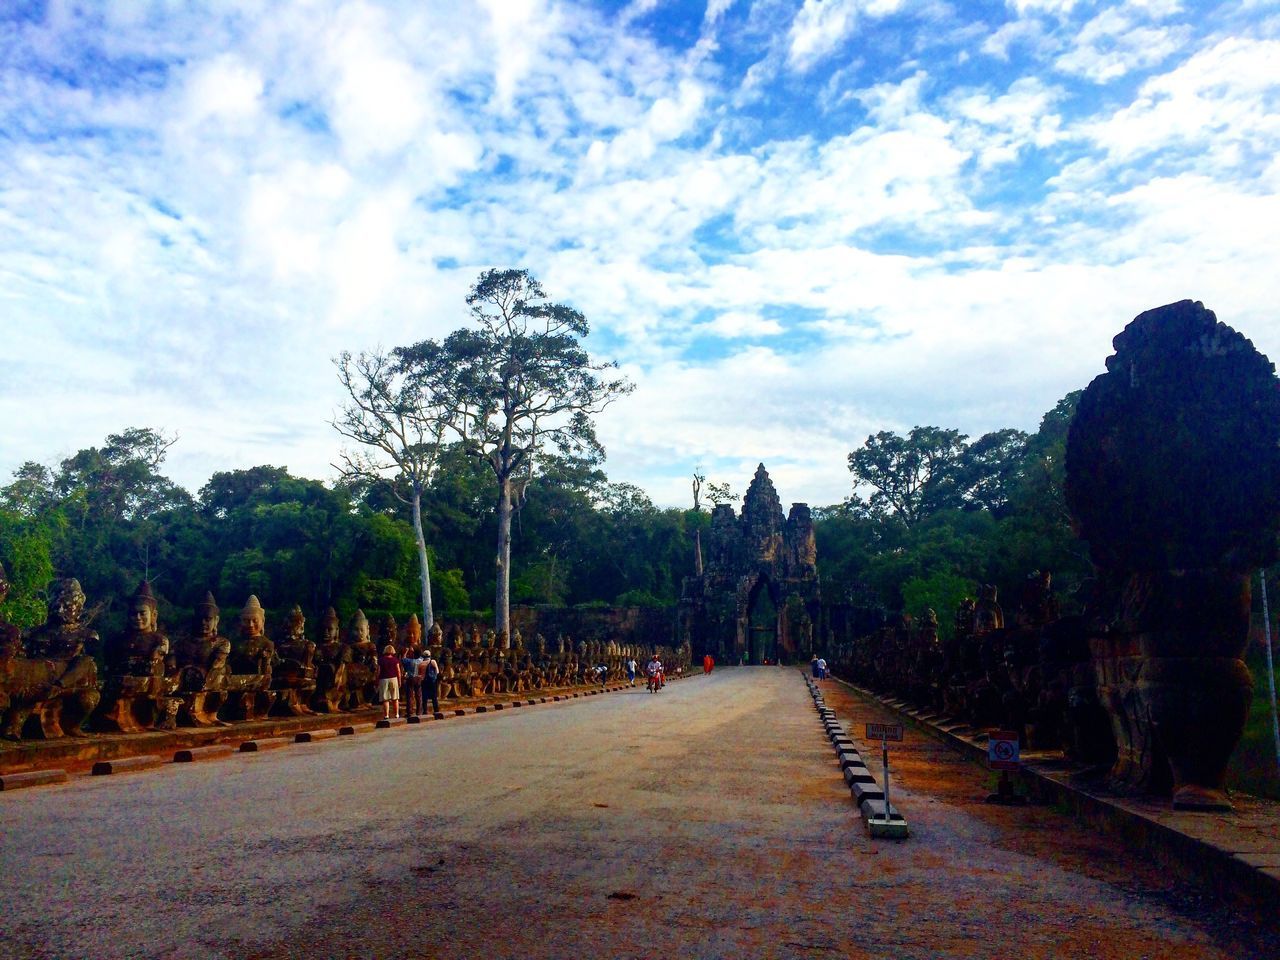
(794, 222)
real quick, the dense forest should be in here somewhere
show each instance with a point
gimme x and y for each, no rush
(929, 515)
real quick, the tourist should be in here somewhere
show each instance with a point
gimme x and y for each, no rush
(814, 668)
(412, 665)
(430, 682)
(822, 668)
(389, 675)
(632, 667)
(602, 674)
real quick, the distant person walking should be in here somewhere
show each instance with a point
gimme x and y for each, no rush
(389, 675)
(412, 665)
(707, 663)
(430, 682)
(822, 668)
(632, 667)
(814, 668)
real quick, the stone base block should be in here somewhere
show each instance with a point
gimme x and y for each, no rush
(196, 754)
(266, 743)
(314, 736)
(127, 764)
(32, 778)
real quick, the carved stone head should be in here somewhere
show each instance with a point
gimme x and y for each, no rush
(207, 617)
(142, 609)
(413, 632)
(330, 626)
(358, 629)
(295, 623)
(253, 619)
(66, 602)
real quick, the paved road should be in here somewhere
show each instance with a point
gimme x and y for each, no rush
(707, 821)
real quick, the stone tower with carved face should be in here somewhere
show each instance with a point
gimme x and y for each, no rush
(758, 597)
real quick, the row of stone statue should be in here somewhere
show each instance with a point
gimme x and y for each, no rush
(1033, 675)
(50, 685)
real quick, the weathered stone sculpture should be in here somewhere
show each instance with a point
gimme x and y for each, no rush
(411, 634)
(198, 665)
(137, 695)
(332, 657)
(1173, 477)
(26, 685)
(64, 641)
(988, 615)
(361, 667)
(248, 696)
(294, 674)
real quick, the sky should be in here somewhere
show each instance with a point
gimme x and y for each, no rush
(793, 223)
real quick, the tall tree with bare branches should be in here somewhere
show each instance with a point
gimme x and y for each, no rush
(399, 413)
(522, 384)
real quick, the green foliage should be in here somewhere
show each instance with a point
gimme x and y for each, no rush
(26, 551)
(940, 592)
(453, 590)
(638, 598)
(943, 512)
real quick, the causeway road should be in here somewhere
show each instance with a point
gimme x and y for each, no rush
(709, 820)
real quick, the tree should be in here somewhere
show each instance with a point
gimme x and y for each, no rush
(400, 412)
(522, 383)
(719, 493)
(910, 476)
(990, 468)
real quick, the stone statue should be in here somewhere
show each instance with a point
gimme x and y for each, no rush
(411, 635)
(26, 685)
(65, 640)
(987, 614)
(248, 688)
(332, 657)
(137, 695)
(254, 653)
(294, 672)
(198, 665)
(361, 668)
(1173, 479)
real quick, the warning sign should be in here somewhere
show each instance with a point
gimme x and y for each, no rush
(1002, 750)
(884, 731)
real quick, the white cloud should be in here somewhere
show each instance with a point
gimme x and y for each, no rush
(1114, 44)
(1217, 97)
(822, 26)
(735, 324)
(305, 178)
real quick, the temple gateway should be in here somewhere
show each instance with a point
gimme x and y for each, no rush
(757, 598)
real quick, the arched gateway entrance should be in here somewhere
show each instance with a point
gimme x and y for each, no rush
(762, 625)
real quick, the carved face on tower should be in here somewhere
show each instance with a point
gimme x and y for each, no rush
(66, 602)
(253, 619)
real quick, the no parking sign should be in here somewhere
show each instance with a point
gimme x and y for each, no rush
(1002, 750)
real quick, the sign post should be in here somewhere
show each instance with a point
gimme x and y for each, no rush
(884, 732)
(1003, 754)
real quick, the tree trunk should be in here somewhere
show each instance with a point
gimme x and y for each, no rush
(502, 597)
(424, 570)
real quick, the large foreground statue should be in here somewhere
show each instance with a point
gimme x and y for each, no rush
(1173, 477)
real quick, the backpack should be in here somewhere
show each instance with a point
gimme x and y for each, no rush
(433, 671)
